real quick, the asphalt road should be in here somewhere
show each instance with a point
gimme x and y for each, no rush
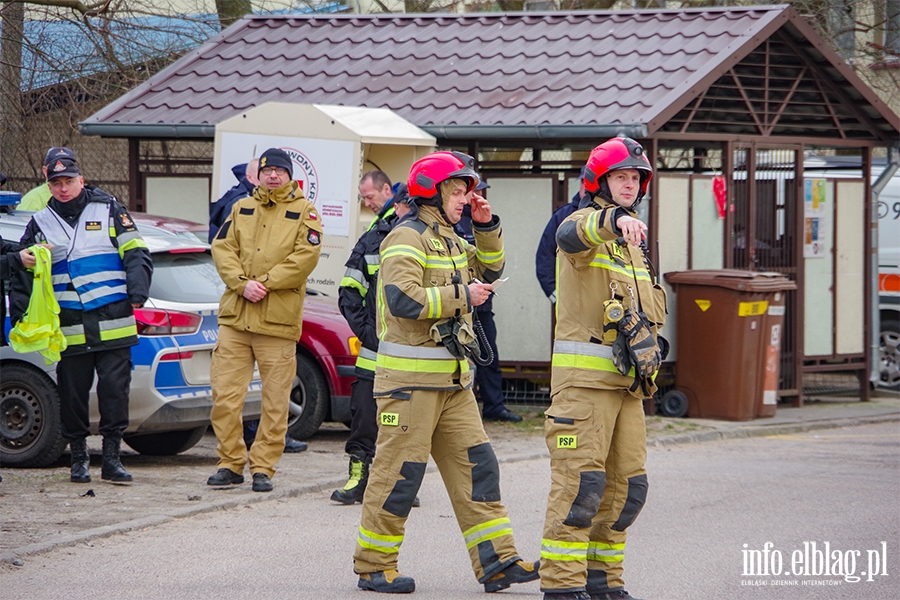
(707, 500)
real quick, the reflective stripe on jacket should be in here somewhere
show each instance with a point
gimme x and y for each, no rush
(425, 270)
(589, 261)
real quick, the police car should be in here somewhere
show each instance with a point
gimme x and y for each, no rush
(170, 398)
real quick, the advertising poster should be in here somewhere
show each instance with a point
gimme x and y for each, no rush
(815, 218)
(322, 167)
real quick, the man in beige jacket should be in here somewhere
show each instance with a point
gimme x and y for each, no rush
(264, 253)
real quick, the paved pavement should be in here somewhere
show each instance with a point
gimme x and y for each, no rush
(324, 470)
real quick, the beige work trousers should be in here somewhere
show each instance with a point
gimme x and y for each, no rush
(598, 445)
(447, 425)
(230, 375)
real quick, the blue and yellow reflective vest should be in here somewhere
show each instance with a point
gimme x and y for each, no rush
(101, 265)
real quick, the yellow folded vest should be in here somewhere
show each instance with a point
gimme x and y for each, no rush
(38, 331)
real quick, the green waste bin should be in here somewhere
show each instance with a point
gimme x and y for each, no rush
(729, 332)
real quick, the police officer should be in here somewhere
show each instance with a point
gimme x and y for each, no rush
(489, 377)
(426, 294)
(595, 425)
(264, 253)
(101, 273)
(356, 299)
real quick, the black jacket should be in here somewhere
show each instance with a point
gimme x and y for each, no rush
(10, 263)
(358, 310)
(220, 210)
(138, 272)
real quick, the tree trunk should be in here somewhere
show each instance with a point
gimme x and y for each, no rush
(232, 10)
(13, 15)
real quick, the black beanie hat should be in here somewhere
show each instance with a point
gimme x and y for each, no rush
(275, 157)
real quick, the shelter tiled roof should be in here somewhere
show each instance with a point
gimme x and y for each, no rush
(515, 70)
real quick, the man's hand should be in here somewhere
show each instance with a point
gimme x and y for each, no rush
(481, 210)
(28, 259)
(633, 230)
(254, 291)
(479, 293)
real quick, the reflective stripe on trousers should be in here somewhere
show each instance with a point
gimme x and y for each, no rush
(555, 550)
(389, 544)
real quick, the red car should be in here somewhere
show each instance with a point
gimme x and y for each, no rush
(326, 352)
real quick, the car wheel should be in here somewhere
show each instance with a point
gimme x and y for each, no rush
(889, 354)
(30, 426)
(673, 404)
(167, 443)
(309, 399)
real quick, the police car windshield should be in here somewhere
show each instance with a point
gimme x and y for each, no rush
(189, 277)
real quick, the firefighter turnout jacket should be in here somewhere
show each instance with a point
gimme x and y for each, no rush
(358, 290)
(273, 237)
(101, 266)
(594, 265)
(428, 267)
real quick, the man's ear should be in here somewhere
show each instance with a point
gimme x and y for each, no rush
(44, 171)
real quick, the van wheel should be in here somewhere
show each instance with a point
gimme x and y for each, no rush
(167, 443)
(30, 426)
(673, 404)
(889, 354)
(309, 399)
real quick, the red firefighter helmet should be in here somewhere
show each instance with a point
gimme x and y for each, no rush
(427, 172)
(615, 154)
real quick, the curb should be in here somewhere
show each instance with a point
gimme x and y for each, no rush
(12, 556)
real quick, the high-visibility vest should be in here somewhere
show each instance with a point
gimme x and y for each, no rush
(87, 270)
(38, 330)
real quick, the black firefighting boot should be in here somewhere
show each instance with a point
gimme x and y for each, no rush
(387, 582)
(112, 467)
(518, 572)
(355, 487)
(568, 596)
(81, 461)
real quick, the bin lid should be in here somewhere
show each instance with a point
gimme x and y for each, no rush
(732, 279)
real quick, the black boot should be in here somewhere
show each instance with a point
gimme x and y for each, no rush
(112, 467)
(81, 460)
(353, 490)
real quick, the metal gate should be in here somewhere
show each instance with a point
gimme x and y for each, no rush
(763, 230)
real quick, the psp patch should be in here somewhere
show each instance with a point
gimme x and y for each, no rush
(126, 220)
(567, 441)
(390, 419)
(93, 225)
(313, 237)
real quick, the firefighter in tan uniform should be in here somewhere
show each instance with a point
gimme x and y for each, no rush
(605, 355)
(264, 252)
(426, 295)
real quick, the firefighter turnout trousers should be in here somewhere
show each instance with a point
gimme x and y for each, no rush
(447, 425)
(597, 443)
(230, 374)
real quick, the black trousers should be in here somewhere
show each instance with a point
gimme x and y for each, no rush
(363, 420)
(75, 376)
